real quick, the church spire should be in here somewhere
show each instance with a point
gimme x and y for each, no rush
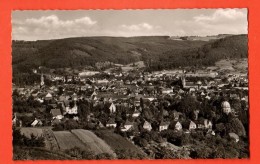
(42, 81)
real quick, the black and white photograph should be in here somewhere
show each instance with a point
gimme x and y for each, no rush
(130, 84)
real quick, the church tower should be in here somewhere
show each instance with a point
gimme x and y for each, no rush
(183, 81)
(42, 81)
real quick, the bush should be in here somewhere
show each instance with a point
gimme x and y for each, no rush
(128, 154)
(22, 140)
(78, 153)
(71, 124)
(58, 127)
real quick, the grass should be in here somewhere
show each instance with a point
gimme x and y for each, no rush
(93, 142)
(238, 65)
(27, 131)
(38, 154)
(117, 142)
(66, 140)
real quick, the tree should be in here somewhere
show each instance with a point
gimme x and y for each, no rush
(71, 124)
(230, 152)
(104, 156)
(201, 153)
(140, 141)
(219, 152)
(236, 126)
(17, 138)
(60, 90)
(188, 105)
(185, 139)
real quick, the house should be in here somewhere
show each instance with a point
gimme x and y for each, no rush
(207, 97)
(181, 91)
(110, 100)
(36, 122)
(192, 125)
(226, 107)
(112, 108)
(147, 125)
(40, 100)
(73, 110)
(103, 81)
(167, 91)
(200, 124)
(74, 97)
(192, 89)
(56, 114)
(207, 124)
(234, 136)
(94, 94)
(127, 126)
(176, 125)
(111, 123)
(176, 115)
(100, 124)
(163, 126)
(136, 113)
(48, 96)
(34, 93)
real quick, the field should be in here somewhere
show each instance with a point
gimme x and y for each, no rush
(117, 142)
(63, 140)
(94, 143)
(38, 154)
(131, 66)
(50, 140)
(67, 140)
(238, 65)
(27, 131)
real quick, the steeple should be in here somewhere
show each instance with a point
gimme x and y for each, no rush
(183, 81)
(42, 81)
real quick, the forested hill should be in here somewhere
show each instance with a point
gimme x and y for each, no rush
(231, 47)
(84, 51)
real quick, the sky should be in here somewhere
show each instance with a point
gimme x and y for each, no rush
(56, 24)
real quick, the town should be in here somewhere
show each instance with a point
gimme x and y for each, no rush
(178, 113)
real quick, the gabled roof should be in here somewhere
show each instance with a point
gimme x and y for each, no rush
(62, 98)
(55, 112)
(173, 123)
(48, 95)
(190, 84)
(111, 121)
(192, 123)
(129, 123)
(94, 93)
(164, 123)
(146, 123)
(233, 135)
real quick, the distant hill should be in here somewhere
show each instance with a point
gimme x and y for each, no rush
(86, 51)
(231, 47)
(202, 38)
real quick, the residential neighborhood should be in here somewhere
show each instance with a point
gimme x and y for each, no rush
(134, 103)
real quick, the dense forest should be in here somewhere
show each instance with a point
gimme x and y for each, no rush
(87, 51)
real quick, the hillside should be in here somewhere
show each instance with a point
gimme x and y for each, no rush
(86, 51)
(62, 144)
(120, 145)
(75, 52)
(231, 47)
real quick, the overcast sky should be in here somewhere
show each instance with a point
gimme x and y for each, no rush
(54, 24)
